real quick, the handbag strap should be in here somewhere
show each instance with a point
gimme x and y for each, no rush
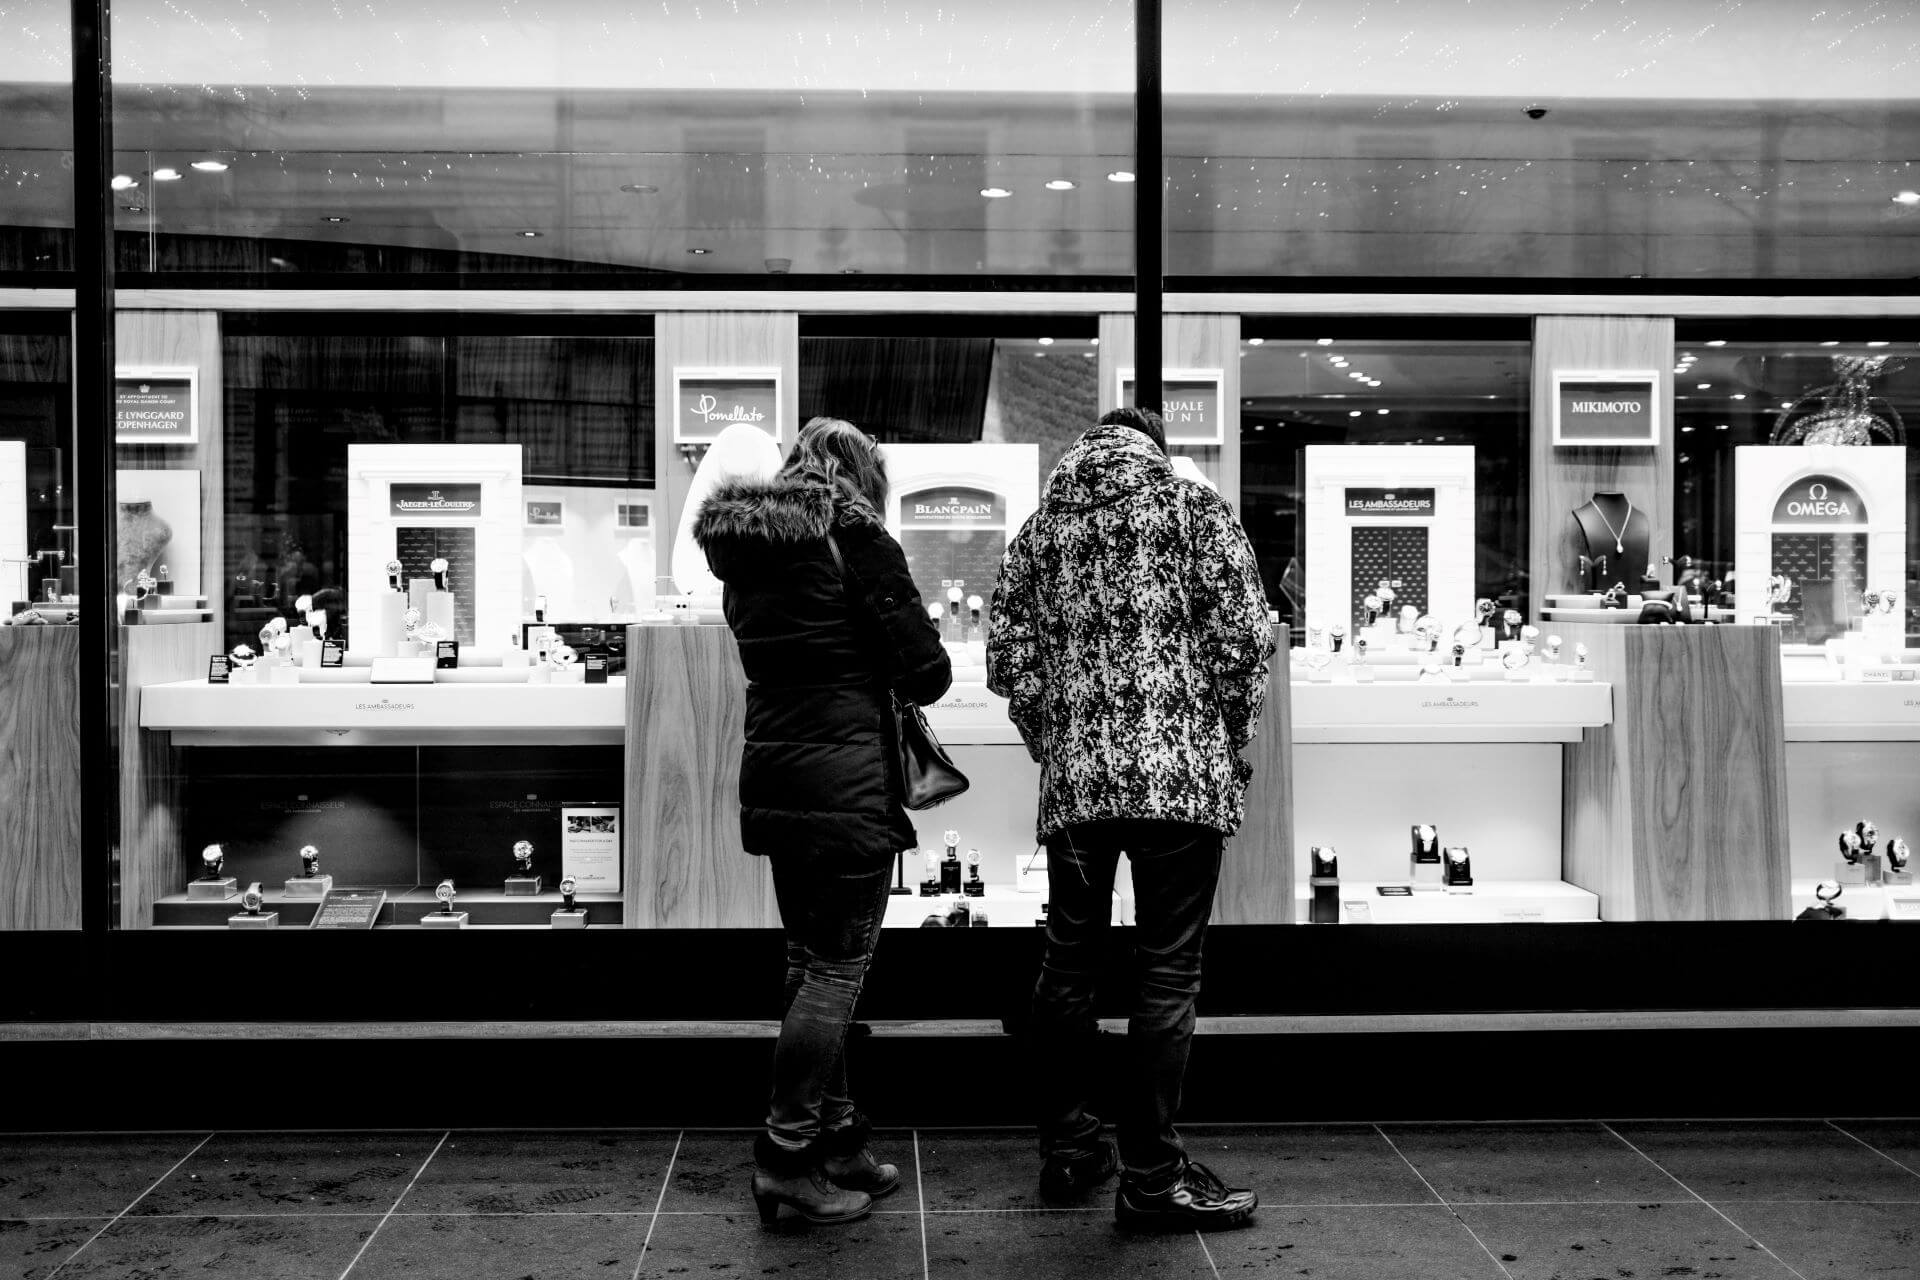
(853, 605)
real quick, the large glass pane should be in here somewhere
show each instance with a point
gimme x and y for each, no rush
(36, 137)
(1674, 139)
(818, 137)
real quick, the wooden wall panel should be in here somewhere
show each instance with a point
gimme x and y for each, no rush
(1561, 479)
(1187, 342)
(685, 868)
(152, 863)
(709, 339)
(185, 338)
(40, 777)
(1678, 810)
(1256, 875)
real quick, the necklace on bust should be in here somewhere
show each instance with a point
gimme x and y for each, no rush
(1620, 534)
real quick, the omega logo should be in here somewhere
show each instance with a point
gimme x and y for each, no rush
(1817, 503)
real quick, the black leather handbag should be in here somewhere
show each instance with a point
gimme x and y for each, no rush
(927, 774)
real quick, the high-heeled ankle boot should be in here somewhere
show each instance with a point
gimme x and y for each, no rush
(794, 1179)
(849, 1161)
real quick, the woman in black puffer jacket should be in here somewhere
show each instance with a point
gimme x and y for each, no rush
(823, 639)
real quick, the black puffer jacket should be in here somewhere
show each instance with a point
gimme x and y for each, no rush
(815, 774)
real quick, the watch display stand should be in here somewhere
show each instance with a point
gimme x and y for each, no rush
(217, 890)
(250, 920)
(444, 920)
(519, 886)
(1324, 906)
(309, 886)
(575, 919)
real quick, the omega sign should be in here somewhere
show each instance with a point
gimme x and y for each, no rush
(1822, 500)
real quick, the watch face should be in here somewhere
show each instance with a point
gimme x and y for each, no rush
(1827, 890)
(393, 566)
(1514, 658)
(444, 891)
(568, 885)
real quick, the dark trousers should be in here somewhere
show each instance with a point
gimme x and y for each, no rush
(1175, 868)
(831, 908)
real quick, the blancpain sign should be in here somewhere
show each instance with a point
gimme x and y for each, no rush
(953, 507)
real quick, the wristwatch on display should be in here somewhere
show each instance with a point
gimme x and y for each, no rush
(394, 568)
(1338, 633)
(1850, 846)
(1897, 855)
(1372, 605)
(309, 861)
(1868, 834)
(444, 892)
(212, 859)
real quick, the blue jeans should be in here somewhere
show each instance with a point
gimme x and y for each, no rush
(831, 907)
(1175, 868)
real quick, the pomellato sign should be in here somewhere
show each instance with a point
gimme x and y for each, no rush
(1821, 501)
(708, 401)
(953, 507)
(461, 500)
(1407, 504)
(1607, 407)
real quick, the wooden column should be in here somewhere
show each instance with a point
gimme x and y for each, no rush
(1561, 479)
(40, 773)
(1678, 809)
(685, 867)
(1190, 342)
(185, 338)
(1256, 875)
(706, 340)
(152, 863)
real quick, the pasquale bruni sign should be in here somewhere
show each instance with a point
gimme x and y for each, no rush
(1189, 404)
(953, 507)
(1409, 504)
(1821, 501)
(435, 500)
(1606, 408)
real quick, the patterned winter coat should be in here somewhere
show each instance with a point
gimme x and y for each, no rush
(820, 652)
(1130, 636)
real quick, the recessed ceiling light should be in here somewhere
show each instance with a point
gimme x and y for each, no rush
(1120, 175)
(121, 182)
(1356, 374)
(166, 175)
(1876, 344)
(1717, 342)
(1373, 382)
(849, 271)
(1254, 342)
(1046, 342)
(1086, 355)
(1907, 197)
(1830, 344)
(638, 188)
(1719, 426)
(1686, 429)
(1062, 184)
(1324, 342)
(531, 235)
(699, 252)
(1739, 395)
(210, 166)
(1383, 412)
(995, 193)
(334, 217)
(1353, 413)
(1702, 386)
(1096, 342)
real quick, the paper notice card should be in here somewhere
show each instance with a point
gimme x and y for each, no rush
(590, 846)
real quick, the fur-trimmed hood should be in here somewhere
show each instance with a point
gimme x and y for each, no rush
(746, 523)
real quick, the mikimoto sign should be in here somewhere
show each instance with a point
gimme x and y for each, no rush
(1820, 501)
(1606, 408)
(953, 507)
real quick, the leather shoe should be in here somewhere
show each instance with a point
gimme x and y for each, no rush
(1196, 1200)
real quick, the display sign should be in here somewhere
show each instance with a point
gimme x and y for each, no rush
(708, 401)
(1820, 502)
(1606, 407)
(954, 508)
(1412, 504)
(457, 500)
(155, 405)
(634, 515)
(1189, 404)
(546, 515)
(590, 846)
(349, 909)
(219, 669)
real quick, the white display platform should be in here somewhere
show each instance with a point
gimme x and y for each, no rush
(1004, 908)
(1629, 614)
(1479, 710)
(972, 714)
(1492, 901)
(1865, 901)
(200, 714)
(1831, 710)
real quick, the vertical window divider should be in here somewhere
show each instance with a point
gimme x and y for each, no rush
(1149, 198)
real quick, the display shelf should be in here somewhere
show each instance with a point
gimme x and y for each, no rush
(1865, 901)
(403, 907)
(1485, 709)
(1627, 615)
(971, 714)
(196, 713)
(1835, 711)
(1003, 906)
(1495, 901)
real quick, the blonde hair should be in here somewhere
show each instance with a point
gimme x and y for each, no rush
(834, 452)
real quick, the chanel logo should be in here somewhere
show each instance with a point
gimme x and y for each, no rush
(1817, 491)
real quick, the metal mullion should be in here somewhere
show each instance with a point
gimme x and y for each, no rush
(1149, 198)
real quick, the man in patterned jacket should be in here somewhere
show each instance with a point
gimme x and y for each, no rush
(1130, 637)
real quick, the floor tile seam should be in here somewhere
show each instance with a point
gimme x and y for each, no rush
(1869, 1146)
(920, 1195)
(1207, 1253)
(136, 1200)
(1761, 1244)
(375, 1233)
(1452, 1212)
(666, 1181)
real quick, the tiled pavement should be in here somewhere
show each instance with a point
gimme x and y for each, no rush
(1592, 1200)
